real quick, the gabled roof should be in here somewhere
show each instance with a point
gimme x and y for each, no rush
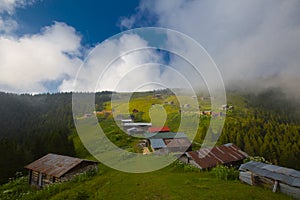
(159, 129)
(55, 165)
(165, 135)
(282, 174)
(211, 157)
(178, 142)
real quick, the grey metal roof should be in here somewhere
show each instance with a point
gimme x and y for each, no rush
(126, 120)
(157, 143)
(55, 165)
(165, 135)
(282, 174)
(132, 129)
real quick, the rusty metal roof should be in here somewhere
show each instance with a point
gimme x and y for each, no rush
(55, 165)
(283, 174)
(211, 157)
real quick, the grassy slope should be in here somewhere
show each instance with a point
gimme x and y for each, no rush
(165, 185)
(172, 182)
(169, 183)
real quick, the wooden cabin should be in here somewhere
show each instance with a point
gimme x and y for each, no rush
(207, 158)
(54, 168)
(276, 178)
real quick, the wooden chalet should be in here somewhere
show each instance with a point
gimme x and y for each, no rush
(207, 158)
(57, 168)
(279, 179)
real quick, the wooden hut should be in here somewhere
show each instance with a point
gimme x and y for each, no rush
(207, 158)
(57, 168)
(277, 178)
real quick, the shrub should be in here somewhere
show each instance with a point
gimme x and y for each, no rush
(84, 176)
(225, 173)
(185, 167)
(257, 159)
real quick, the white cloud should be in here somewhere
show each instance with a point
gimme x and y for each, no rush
(127, 22)
(9, 6)
(249, 40)
(7, 9)
(7, 25)
(106, 52)
(26, 63)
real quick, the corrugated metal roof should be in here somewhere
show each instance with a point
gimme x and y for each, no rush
(55, 165)
(282, 174)
(165, 135)
(159, 129)
(157, 143)
(211, 157)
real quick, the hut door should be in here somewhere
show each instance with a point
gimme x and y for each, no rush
(40, 179)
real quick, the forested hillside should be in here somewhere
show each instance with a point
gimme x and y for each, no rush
(266, 125)
(34, 125)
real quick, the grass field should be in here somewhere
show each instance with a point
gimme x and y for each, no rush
(172, 182)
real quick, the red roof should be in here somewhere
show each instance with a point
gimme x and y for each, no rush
(211, 157)
(159, 129)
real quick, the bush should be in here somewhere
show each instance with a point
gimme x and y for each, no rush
(84, 176)
(225, 173)
(185, 167)
(71, 194)
(257, 159)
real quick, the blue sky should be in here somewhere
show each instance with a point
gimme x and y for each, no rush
(43, 43)
(95, 20)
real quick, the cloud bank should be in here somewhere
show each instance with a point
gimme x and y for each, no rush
(254, 43)
(125, 63)
(49, 60)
